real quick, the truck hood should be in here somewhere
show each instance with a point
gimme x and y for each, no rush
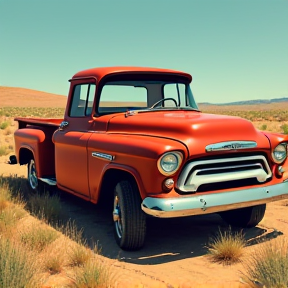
(194, 129)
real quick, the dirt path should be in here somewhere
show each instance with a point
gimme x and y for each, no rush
(175, 251)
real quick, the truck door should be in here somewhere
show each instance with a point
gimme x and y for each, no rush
(71, 140)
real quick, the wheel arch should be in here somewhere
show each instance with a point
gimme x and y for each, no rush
(25, 154)
(112, 175)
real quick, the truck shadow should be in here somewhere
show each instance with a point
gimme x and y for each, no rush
(167, 240)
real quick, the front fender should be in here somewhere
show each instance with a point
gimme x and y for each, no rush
(135, 154)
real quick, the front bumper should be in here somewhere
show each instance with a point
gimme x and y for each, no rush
(213, 202)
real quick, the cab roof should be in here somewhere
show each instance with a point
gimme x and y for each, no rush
(101, 72)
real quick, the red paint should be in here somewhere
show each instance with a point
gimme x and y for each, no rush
(136, 141)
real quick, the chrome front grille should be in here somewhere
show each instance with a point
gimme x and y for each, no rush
(200, 173)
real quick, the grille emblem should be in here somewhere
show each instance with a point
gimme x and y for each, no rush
(230, 145)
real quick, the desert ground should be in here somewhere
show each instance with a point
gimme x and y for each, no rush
(175, 253)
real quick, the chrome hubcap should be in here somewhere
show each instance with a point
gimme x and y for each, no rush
(33, 180)
(117, 217)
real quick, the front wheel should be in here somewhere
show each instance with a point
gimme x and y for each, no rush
(129, 219)
(244, 217)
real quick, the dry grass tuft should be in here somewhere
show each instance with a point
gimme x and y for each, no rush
(78, 255)
(17, 266)
(92, 275)
(14, 185)
(226, 247)
(54, 264)
(11, 209)
(269, 264)
(5, 197)
(71, 231)
(5, 150)
(37, 237)
(10, 216)
(45, 207)
(48, 249)
(54, 257)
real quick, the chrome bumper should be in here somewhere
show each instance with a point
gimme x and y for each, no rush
(213, 202)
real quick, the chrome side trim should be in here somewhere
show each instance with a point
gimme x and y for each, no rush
(213, 202)
(230, 145)
(190, 182)
(103, 156)
(49, 181)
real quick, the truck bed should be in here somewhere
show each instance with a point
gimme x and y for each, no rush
(27, 121)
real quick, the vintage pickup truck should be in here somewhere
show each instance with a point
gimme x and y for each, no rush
(136, 136)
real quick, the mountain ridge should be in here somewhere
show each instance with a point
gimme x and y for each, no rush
(249, 102)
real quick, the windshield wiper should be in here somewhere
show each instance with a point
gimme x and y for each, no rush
(167, 109)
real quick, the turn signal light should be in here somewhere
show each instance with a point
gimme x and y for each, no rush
(168, 184)
(279, 171)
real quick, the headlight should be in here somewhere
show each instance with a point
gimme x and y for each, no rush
(169, 163)
(279, 154)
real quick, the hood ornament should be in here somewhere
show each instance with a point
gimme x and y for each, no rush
(230, 145)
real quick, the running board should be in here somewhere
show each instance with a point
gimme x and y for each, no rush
(49, 181)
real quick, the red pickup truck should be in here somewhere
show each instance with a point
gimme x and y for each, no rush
(136, 136)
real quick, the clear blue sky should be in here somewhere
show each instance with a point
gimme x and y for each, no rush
(234, 49)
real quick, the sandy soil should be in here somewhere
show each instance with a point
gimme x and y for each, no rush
(174, 254)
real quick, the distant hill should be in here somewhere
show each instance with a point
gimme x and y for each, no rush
(22, 97)
(249, 102)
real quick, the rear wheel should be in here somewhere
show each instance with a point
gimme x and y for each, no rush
(244, 217)
(129, 219)
(34, 184)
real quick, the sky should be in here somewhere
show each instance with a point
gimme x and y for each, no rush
(235, 50)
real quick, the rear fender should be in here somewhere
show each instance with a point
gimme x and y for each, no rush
(34, 143)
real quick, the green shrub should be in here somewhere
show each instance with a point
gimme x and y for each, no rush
(4, 125)
(263, 127)
(32, 112)
(284, 127)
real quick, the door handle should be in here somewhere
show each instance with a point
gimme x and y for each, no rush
(63, 125)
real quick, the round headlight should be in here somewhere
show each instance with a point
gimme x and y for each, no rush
(169, 163)
(279, 154)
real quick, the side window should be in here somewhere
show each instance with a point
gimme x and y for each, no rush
(82, 102)
(177, 92)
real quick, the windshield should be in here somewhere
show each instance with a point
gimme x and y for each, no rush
(120, 96)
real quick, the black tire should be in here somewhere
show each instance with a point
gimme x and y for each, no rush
(244, 217)
(129, 219)
(33, 183)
